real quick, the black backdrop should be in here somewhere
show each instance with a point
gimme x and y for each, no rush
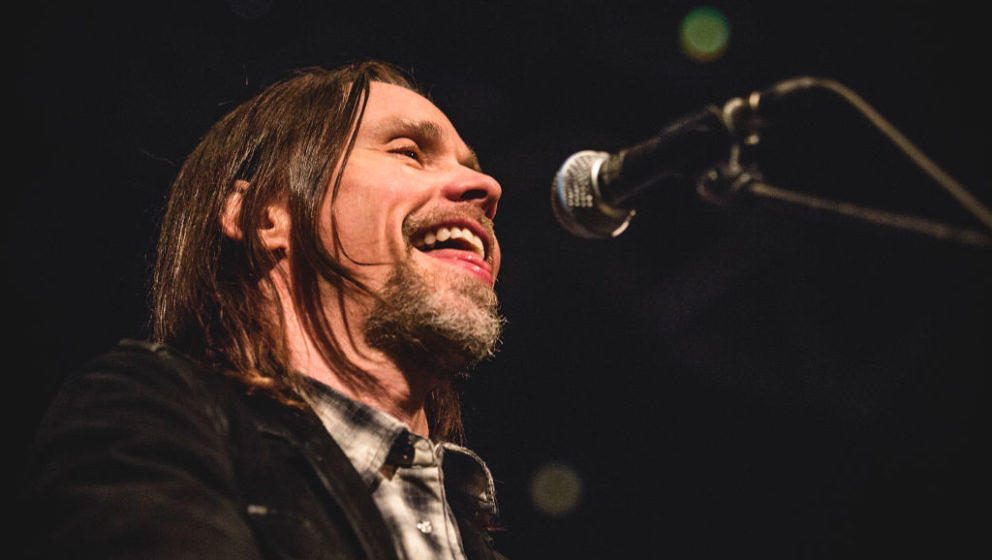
(723, 381)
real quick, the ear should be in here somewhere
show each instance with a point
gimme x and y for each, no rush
(231, 214)
(275, 229)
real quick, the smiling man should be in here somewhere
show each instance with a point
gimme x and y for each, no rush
(325, 273)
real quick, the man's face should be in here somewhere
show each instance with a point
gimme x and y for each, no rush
(414, 220)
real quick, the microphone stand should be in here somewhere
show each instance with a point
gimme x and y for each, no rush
(727, 182)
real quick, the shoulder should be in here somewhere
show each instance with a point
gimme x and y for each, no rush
(136, 402)
(135, 381)
(140, 362)
(134, 444)
(147, 363)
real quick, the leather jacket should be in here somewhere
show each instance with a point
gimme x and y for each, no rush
(144, 453)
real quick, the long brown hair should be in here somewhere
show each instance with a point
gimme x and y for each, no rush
(210, 294)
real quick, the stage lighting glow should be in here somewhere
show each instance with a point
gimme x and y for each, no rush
(704, 34)
(555, 489)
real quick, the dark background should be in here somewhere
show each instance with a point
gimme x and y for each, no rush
(724, 381)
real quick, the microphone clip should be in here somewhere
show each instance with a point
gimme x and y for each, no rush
(724, 183)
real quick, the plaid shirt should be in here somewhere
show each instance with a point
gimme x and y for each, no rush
(404, 474)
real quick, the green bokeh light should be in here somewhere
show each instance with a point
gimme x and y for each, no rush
(704, 33)
(556, 489)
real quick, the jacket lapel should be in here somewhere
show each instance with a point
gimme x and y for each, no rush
(338, 478)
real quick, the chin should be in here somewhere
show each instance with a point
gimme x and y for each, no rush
(448, 322)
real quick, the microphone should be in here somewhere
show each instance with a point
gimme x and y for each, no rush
(592, 192)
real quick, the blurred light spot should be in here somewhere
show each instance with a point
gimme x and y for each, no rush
(555, 489)
(704, 33)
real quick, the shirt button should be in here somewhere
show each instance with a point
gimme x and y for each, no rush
(425, 527)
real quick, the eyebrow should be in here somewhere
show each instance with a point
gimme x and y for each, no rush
(428, 130)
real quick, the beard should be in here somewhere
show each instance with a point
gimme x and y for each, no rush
(446, 328)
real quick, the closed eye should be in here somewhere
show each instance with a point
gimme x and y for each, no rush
(411, 151)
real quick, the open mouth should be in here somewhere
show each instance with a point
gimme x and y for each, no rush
(450, 237)
(460, 244)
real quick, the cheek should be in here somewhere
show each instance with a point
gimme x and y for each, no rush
(368, 219)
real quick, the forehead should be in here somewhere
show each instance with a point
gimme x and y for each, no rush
(387, 100)
(393, 109)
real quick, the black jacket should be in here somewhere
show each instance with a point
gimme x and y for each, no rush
(145, 454)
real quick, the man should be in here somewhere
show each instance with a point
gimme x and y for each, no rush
(325, 271)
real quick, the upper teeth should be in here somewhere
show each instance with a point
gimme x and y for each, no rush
(446, 233)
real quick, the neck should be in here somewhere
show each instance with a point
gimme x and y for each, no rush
(397, 391)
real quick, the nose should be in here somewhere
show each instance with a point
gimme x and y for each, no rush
(469, 185)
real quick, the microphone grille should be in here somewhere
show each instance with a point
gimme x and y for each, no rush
(576, 200)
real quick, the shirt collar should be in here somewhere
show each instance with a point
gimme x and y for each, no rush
(467, 474)
(371, 438)
(365, 434)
